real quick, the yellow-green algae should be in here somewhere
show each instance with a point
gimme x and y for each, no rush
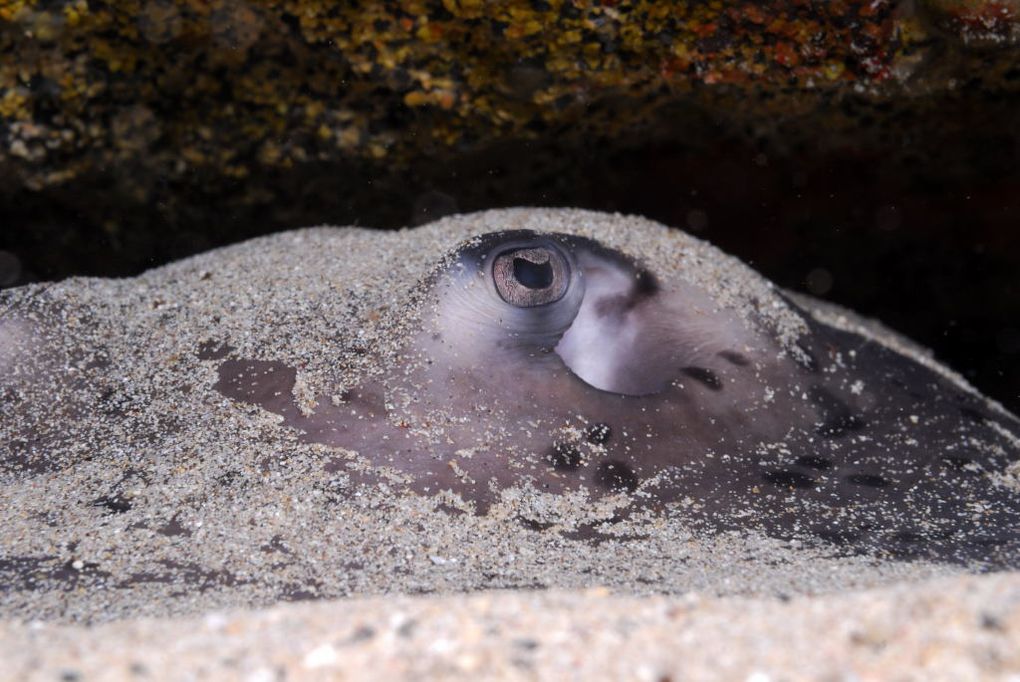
(227, 85)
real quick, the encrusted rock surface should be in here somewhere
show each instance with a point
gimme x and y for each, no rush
(231, 86)
(174, 104)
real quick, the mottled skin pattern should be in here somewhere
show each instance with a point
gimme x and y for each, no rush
(842, 439)
(550, 390)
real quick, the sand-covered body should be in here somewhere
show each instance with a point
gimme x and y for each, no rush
(298, 417)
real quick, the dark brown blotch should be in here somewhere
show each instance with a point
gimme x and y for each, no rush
(212, 349)
(837, 417)
(734, 358)
(839, 536)
(598, 433)
(616, 476)
(532, 524)
(268, 384)
(907, 537)
(814, 462)
(645, 283)
(704, 376)
(113, 504)
(565, 457)
(173, 528)
(867, 480)
(785, 478)
(193, 575)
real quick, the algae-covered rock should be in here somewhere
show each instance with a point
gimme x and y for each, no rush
(230, 85)
(214, 92)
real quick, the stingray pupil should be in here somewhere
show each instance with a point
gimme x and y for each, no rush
(533, 275)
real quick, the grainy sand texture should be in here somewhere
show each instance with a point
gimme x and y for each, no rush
(963, 629)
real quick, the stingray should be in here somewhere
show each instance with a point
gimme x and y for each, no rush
(634, 374)
(552, 363)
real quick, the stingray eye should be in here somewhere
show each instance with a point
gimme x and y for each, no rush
(531, 277)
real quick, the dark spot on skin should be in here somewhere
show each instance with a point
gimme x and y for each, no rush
(806, 358)
(565, 457)
(449, 509)
(275, 545)
(264, 383)
(814, 462)
(908, 536)
(114, 504)
(593, 533)
(840, 425)
(839, 536)
(616, 476)
(192, 575)
(213, 350)
(174, 528)
(532, 524)
(98, 363)
(645, 283)
(734, 357)
(704, 376)
(785, 478)
(598, 434)
(837, 418)
(869, 480)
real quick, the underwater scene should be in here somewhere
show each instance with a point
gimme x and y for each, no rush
(515, 339)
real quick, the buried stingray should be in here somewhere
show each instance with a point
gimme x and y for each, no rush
(548, 362)
(337, 411)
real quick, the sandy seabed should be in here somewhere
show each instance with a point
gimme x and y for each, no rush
(944, 629)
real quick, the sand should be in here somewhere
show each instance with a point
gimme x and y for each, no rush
(964, 629)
